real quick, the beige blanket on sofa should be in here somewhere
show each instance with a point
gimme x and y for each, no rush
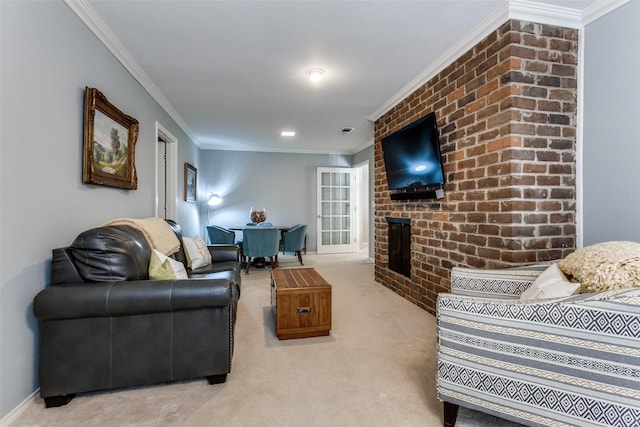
(156, 231)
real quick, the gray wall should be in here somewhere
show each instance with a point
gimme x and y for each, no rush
(285, 184)
(48, 56)
(611, 139)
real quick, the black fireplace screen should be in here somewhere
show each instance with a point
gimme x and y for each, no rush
(400, 245)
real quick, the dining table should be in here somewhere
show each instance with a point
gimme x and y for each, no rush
(282, 228)
(259, 262)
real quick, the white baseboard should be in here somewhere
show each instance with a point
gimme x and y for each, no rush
(20, 409)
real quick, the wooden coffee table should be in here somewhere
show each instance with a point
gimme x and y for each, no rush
(301, 303)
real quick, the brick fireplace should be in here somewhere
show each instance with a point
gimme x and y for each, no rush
(506, 110)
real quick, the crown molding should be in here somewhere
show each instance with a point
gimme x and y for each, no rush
(545, 14)
(206, 146)
(601, 8)
(485, 28)
(90, 18)
(513, 9)
(356, 150)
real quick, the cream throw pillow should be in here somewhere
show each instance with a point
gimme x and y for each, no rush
(198, 254)
(161, 267)
(551, 283)
(605, 266)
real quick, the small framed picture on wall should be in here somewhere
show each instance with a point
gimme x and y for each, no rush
(190, 182)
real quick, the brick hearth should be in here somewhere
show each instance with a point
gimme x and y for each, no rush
(507, 116)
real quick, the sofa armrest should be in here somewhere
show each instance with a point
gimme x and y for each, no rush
(63, 270)
(528, 360)
(223, 252)
(106, 299)
(503, 283)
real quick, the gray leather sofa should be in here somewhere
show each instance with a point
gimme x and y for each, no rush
(104, 324)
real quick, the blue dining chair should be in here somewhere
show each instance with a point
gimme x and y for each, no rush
(293, 240)
(265, 224)
(260, 242)
(220, 235)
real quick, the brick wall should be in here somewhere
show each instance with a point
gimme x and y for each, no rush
(506, 110)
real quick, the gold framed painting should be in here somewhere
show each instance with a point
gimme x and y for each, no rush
(109, 143)
(190, 182)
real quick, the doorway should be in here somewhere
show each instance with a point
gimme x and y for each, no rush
(362, 206)
(166, 200)
(334, 225)
(342, 222)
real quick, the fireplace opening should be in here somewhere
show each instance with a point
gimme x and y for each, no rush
(400, 245)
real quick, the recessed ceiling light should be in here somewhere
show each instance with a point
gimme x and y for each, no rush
(287, 133)
(315, 74)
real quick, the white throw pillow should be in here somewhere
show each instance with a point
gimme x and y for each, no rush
(161, 267)
(551, 283)
(198, 254)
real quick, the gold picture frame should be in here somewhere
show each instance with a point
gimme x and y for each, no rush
(109, 143)
(190, 183)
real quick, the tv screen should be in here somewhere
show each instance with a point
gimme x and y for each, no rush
(412, 155)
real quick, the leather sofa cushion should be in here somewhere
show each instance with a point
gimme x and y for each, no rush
(217, 267)
(113, 253)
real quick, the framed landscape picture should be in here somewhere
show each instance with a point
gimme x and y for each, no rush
(109, 143)
(190, 182)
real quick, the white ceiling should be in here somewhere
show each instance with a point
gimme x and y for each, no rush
(233, 73)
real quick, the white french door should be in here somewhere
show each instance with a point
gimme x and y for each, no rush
(335, 210)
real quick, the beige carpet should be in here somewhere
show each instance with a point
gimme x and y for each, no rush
(377, 368)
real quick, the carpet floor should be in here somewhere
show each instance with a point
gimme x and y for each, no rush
(377, 368)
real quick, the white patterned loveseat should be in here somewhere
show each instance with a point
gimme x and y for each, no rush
(569, 361)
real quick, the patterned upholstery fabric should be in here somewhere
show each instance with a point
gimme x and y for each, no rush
(554, 362)
(506, 283)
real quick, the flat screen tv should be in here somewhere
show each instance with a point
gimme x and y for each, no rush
(412, 156)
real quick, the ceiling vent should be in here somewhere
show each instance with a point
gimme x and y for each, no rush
(345, 131)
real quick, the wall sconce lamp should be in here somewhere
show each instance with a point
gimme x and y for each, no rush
(214, 200)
